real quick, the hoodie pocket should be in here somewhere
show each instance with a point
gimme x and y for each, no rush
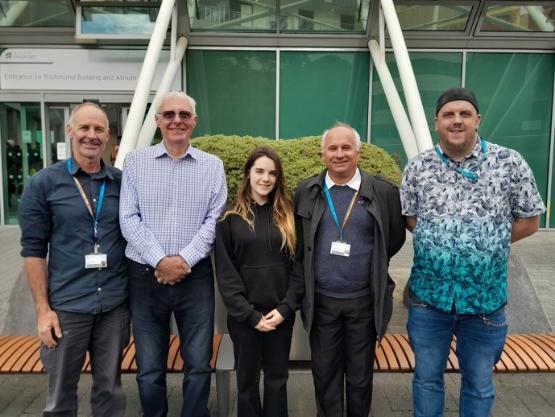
(266, 285)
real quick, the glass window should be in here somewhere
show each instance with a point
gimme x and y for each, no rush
(435, 73)
(294, 16)
(233, 15)
(118, 20)
(235, 91)
(318, 89)
(324, 16)
(21, 137)
(519, 18)
(515, 95)
(35, 13)
(429, 17)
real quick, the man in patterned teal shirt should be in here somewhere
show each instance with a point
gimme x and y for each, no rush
(465, 200)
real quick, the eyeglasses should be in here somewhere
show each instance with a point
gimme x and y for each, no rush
(170, 115)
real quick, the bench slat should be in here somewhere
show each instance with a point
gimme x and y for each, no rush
(539, 363)
(522, 353)
(524, 357)
(400, 354)
(392, 363)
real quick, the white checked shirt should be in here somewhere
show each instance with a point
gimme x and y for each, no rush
(170, 207)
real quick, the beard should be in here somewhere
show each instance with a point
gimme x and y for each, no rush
(462, 149)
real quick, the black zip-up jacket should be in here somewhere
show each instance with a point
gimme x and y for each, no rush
(381, 200)
(252, 270)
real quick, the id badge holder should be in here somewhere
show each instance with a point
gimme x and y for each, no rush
(340, 248)
(96, 259)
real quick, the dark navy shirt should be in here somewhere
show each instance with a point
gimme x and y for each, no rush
(55, 221)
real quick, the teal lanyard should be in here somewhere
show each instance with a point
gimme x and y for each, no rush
(334, 213)
(96, 214)
(468, 174)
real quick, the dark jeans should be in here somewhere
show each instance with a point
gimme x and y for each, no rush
(192, 303)
(480, 340)
(267, 350)
(104, 336)
(342, 342)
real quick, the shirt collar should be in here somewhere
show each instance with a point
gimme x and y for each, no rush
(160, 150)
(103, 173)
(353, 183)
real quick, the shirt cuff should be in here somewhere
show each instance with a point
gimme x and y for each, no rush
(190, 255)
(154, 257)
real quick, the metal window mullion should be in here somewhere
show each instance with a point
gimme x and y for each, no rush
(278, 85)
(551, 156)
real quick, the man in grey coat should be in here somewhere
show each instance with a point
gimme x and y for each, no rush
(349, 225)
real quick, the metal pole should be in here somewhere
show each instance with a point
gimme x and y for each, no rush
(149, 125)
(142, 91)
(410, 88)
(399, 116)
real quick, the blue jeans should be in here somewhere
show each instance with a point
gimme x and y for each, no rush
(192, 303)
(480, 341)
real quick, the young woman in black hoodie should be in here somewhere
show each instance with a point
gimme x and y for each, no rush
(255, 243)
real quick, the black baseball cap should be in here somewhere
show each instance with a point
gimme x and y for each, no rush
(457, 94)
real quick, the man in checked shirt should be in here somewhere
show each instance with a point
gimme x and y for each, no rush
(171, 197)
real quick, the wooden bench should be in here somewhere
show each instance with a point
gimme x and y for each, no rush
(21, 354)
(522, 353)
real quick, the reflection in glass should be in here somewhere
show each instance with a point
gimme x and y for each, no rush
(294, 15)
(323, 16)
(519, 19)
(123, 20)
(43, 13)
(235, 91)
(20, 130)
(428, 17)
(319, 88)
(57, 133)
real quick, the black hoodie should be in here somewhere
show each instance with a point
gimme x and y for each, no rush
(252, 268)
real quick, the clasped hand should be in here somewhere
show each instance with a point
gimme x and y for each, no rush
(270, 321)
(171, 270)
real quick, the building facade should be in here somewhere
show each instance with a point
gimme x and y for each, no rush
(279, 69)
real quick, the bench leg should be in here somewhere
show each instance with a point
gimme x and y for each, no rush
(222, 392)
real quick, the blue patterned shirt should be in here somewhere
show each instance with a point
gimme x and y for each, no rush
(170, 207)
(463, 231)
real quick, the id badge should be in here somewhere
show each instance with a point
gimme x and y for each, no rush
(340, 248)
(96, 260)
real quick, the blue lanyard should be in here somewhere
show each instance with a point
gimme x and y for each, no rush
(95, 215)
(468, 174)
(334, 213)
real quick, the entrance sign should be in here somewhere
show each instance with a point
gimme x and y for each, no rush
(77, 69)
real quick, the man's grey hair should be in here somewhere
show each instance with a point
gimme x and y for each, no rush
(180, 95)
(87, 104)
(341, 124)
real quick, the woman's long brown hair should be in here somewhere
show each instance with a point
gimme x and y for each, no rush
(281, 203)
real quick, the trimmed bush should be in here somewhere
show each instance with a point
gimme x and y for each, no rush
(301, 158)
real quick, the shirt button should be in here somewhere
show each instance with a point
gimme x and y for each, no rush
(99, 289)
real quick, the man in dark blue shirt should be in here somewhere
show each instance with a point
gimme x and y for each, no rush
(69, 212)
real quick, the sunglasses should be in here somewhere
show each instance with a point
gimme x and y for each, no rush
(170, 115)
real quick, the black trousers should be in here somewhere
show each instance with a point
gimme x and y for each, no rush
(342, 341)
(269, 351)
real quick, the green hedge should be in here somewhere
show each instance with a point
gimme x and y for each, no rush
(301, 157)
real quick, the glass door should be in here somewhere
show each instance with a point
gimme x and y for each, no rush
(60, 147)
(21, 141)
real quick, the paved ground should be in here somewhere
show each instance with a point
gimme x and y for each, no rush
(521, 395)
